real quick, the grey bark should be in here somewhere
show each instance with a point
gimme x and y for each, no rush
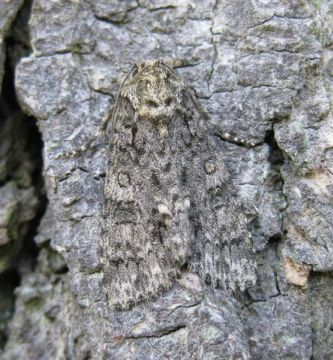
(261, 70)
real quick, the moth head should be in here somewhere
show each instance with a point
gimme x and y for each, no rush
(155, 92)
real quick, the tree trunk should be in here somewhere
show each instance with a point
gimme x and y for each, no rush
(261, 71)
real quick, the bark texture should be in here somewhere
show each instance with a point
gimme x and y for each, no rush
(262, 70)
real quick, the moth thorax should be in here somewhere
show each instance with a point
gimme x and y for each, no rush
(158, 107)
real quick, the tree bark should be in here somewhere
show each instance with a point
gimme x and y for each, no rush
(261, 71)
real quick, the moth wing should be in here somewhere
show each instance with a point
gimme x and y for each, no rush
(222, 247)
(142, 244)
(169, 202)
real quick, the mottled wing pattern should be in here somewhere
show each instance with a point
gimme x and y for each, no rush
(147, 233)
(222, 249)
(169, 202)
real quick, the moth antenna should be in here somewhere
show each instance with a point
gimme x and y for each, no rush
(111, 120)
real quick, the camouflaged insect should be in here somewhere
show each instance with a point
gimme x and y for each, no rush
(169, 202)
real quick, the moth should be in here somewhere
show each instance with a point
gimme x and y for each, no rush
(169, 202)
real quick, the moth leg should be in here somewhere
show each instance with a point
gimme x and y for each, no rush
(91, 144)
(174, 63)
(235, 139)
